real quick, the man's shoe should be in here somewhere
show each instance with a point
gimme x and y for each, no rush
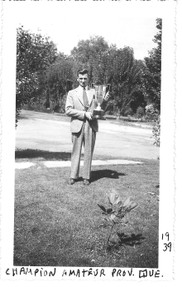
(86, 182)
(72, 181)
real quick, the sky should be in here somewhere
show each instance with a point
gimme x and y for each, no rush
(66, 24)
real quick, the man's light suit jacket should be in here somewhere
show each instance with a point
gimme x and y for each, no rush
(76, 110)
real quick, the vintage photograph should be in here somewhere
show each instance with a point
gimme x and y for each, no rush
(88, 120)
(87, 140)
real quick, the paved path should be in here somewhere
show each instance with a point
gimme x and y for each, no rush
(39, 131)
(53, 164)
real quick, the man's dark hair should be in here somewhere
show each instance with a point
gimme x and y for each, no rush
(82, 72)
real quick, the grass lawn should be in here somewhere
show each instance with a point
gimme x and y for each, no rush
(61, 225)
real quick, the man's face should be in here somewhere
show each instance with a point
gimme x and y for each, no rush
(83, 80)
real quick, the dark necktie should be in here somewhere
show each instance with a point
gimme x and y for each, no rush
(85, 100)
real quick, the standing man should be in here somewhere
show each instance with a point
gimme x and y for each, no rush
(80, 104)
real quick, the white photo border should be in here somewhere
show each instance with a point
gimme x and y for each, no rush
(160, 9)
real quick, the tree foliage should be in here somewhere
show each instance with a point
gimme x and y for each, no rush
(43, 74)
(57, 77)
(126, 80)
(34, 54)
(89, 54)
(109, 65)
(152, 81)
(152, 77)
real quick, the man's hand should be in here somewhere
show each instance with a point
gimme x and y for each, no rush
(107, 96)
(89, 116)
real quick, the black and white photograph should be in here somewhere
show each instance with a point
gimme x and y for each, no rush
(88, 159)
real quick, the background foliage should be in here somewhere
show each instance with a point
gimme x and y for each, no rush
(44, 76)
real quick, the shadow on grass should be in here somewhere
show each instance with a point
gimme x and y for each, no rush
(132, 240)
(98, 174)
(47, 155)
(126, 240)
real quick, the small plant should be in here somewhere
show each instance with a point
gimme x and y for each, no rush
(116, 211)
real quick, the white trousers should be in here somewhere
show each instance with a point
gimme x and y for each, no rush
(86, 137)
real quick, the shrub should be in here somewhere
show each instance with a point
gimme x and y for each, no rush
(156, 132)
(151, 114)
(140, 112)
(128, 112)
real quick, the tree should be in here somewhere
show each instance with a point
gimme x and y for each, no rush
(109, 65)
(152, 77)
(57, 76)
(89, 54)
(34, 54)
(152, 81)
(125, 77)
